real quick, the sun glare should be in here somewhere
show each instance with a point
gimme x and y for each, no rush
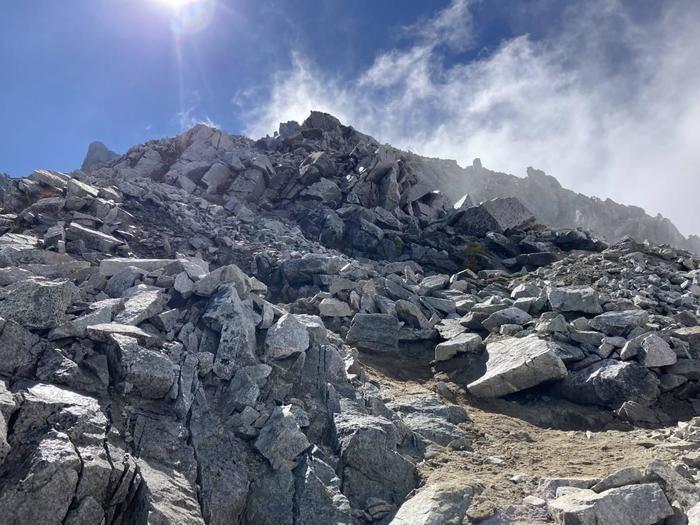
(177, 4)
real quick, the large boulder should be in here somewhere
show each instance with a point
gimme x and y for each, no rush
(619, 323)
(371, 465)
(516, 364)
(287, 337)
(643, 504)
(574, 299)
(461, 343)
(147, 371)
(610, 383)
(281, 440)
(36, 303)
(378, 332)
(437, 503)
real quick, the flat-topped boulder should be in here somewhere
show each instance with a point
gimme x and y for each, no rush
(516, 364)
(109, 267)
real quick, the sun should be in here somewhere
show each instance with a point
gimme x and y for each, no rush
(177, 4)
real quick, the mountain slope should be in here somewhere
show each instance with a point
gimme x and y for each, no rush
(301, 330)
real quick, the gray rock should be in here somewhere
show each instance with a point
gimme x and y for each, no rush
(288, 336)
(280, 440)
(516, 364)
(510, 315)
(45, 493)
(102, 332)
(234, 321)
(619, 323)
(678, 487)
(143, 302)
(97, 155)
(217, 178)
(574, 299)
(371, 465)
(36, 303)
(319, 498)
(619, 478)
(109, 267)
(93, 238)
(525, 290)
(332, 307)
(632, 505)
(150, 372)
(121, 281)
(231, 273)
(377, 332)
(462, 343)
(437, 503)
(656, 352)
(610, 383)
(410, 314)
(19, 348)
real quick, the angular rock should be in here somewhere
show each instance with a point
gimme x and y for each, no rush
(510, 315)
(462, 343)
(280, 440)
(150, 372)
(377, 332)
(619, 323)
(656, 352)
(435, 504)
(610, 383)
(331, 307)
(36, 303)
(516, 364)
(286, 337)
(631, 505)
(574, 299)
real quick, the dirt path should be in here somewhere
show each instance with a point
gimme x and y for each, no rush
(508, 455)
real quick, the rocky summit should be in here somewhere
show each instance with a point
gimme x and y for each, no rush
(305, 330)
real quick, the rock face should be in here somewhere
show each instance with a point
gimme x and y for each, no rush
(97, 155)
(213, 330)
(562, 208)
(516, 364)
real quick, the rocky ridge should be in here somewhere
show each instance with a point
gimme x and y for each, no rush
(209, 329)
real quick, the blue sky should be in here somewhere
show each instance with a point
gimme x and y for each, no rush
(603, 94)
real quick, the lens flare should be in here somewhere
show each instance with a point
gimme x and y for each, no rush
(190, 16)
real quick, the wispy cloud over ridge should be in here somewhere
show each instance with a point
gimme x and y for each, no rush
(609, 102)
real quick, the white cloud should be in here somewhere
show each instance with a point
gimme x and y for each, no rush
(608, 104)
(189, 115)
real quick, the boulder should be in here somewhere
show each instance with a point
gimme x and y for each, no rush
(435, 504)
(36, 303)
(97, 155)
(371, 465)
(516, 364)
(234, 320)
(619, 323)
(109, 267)
(574, 299)
(511, 315)
(94, 239)
(280, 440)
(143, 302)
(150, 372)
(643, 504)
(461, 343)
(656, 352)
(332, 307)
(610, 383)
(377, 332)
(286, 337)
